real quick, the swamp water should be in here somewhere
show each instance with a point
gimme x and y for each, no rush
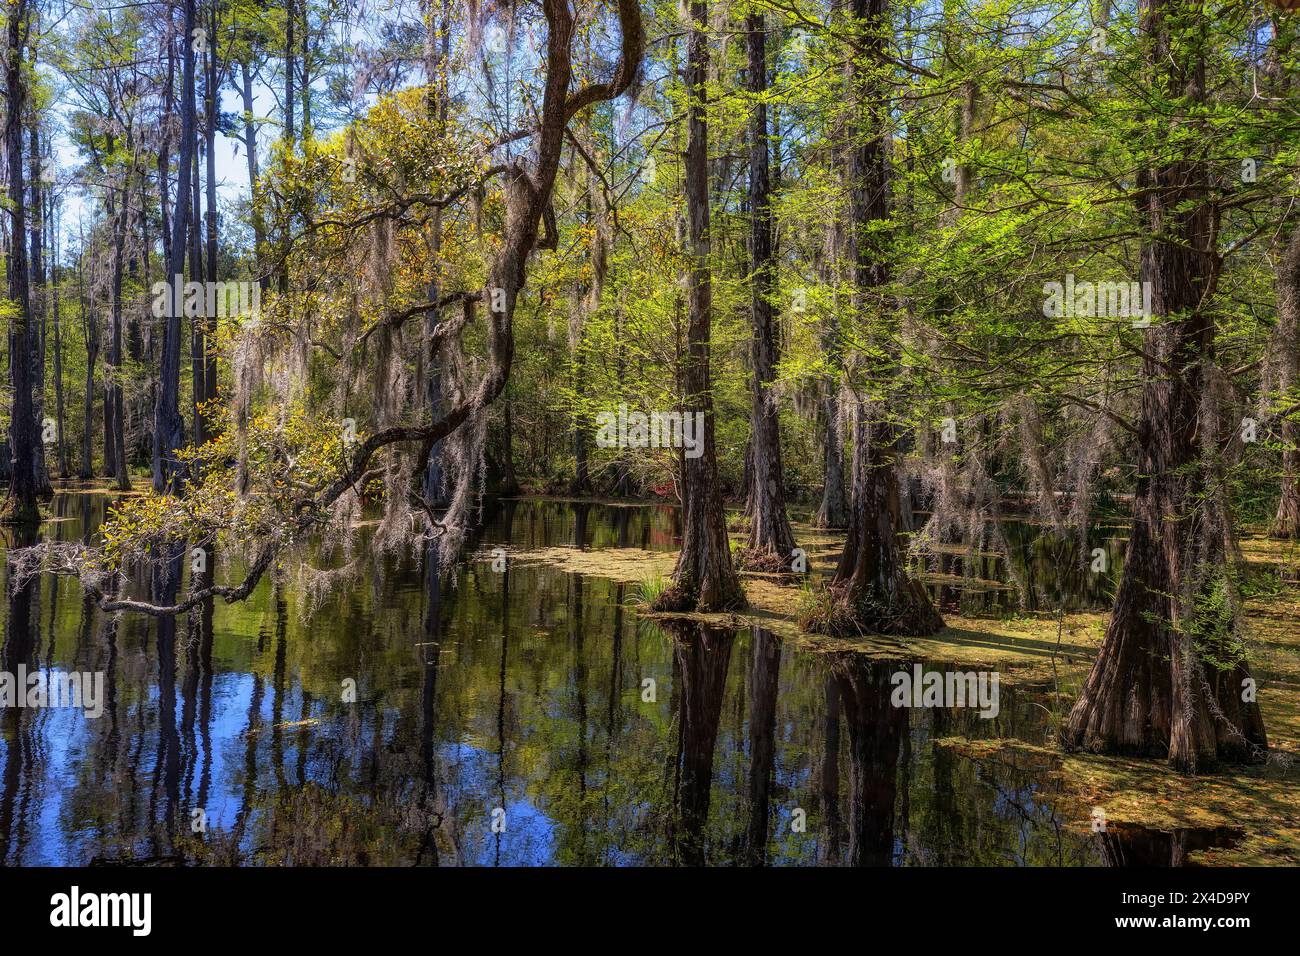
(524, 716)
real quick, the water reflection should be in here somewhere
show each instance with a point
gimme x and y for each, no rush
(471, 716)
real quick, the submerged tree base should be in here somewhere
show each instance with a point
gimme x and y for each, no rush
(679, 600)
(764, 560)
(841, 611)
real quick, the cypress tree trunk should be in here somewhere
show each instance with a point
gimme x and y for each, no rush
(21, 507)
(213, 93)
(169, 427)
(770, 536)
(1286, 523)
(282, 276)
(871, 591)
(250, 149)
(37, 292)
(833, 511)
(581, 484)
(1149, 691)
(58, 353)
(436, 49)
(90, 335)
(509, 481)
(704, 578)
(115, 431)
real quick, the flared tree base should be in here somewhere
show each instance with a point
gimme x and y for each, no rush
(901, 610)
(764, 560)
(682, 600)
(1146, 698)
(1286, 524)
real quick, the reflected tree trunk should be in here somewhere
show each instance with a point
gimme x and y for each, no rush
(702, 654)
(876, 729)
(764, 677)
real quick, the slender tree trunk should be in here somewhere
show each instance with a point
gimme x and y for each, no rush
(90, 335)
(304, 88)
(58, 355)
(213, 91)
(21, 507)
(436, 47)
(704, 578)
(169, 426)
(40, 303)
(250, 149)
(114, 412)
(1149, 691)
(769, 527)
(581, 484)
(833, 511)
(509, 482)
(164, 150)
(197, 317)
(290, 69)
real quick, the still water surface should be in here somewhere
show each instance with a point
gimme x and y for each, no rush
(501, 718)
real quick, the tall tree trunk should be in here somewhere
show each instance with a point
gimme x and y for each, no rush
(58, 347)
(1150, 691)
(289, 134)
(37, 291)
(164, 148)
(90, 336)
(871, 590)
(114, 412)
(21, 507)
(581, 484)
(704, 578)
(437, 40)
(509, 482)
(169, 426)
(833, 510)
(1286, 523)
(213, 91)
(769, 527)
(250, 150)
(198, 317)
(304, 87)
(290, 70)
